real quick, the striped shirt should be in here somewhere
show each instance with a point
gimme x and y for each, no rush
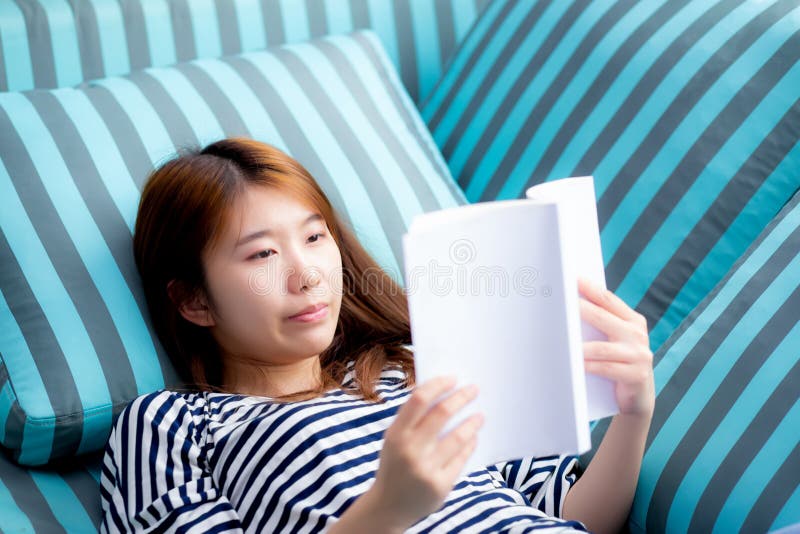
(218, 462)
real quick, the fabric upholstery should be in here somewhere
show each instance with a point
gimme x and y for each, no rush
(686, 112)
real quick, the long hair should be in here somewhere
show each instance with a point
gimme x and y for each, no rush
(184, 206)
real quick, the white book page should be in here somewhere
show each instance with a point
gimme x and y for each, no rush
(465, 268)
(576, 198)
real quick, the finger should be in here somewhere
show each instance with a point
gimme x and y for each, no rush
(458, 438)
(614, 327)
(452, 468)
(419, 402)
(432, 422)
(606, 299)
(608, 351)
(619, 372)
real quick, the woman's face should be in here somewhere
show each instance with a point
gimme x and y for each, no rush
(275, 259)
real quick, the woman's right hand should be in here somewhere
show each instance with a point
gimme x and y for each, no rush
(418, 469)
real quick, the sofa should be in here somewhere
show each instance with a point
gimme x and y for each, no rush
(687, 114)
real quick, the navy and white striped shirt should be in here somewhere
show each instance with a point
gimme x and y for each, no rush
(215, 462)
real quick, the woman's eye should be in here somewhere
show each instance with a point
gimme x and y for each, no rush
(318, 237)
(259, 254)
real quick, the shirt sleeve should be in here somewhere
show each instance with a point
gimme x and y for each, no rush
(544, 481)
(154, 476)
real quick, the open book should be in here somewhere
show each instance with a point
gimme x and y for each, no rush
(493, 300)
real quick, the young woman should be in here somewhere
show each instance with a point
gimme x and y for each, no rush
(300, 411)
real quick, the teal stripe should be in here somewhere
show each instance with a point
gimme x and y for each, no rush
(788, 514)
(730, 430)
(72, 211)
(528, 99)
(707, 381)
(110, 165)
(145, 120)
(376, 87)
(207, 40)
(752, 482)
(731, 244)
(463, 17)
(683, 345)
(202, 120)
(37, 441)
(66, 506)
(160, 39)
(66, 54)
(14, 36)
(620, 89)
(11, 513)
(391, 173)
(338, 15)
(98, 419)
(381, 21)
(295, 21)
(56, 303)
(687, 133)
(694, 203)
(117, 295)
(465, 50)
(361, 209)
(259, 124)
(250, 19)
(6, 395)
(94, 472)
(669, 88)
(17, 355)
(426, 44)
(511, 71)
(590, 69)
(111, 27)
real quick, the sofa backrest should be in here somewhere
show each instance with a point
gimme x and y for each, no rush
(60, 43)
(686, 112)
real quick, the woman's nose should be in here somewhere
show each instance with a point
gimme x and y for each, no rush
(303, 275)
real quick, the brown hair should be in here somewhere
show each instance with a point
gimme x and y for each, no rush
(184, 207)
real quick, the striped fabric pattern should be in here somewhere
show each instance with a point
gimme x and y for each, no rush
(75, 339)
(60, 43)
(723, 452)
(686, 112)
(64, 498)
(239, 463)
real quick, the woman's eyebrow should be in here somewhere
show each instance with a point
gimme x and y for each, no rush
(265, 232)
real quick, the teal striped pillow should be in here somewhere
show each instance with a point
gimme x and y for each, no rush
(75, 340)
(685, 112)
(723, 452)
(59, 44)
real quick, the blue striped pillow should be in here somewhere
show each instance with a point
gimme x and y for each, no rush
(685, 112)
(59, 44)
(75, 339)
(723, 452)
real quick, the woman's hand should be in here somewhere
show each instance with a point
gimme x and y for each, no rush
(626, 357)
(418, 469)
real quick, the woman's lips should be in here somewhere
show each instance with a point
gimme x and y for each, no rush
(311, 316)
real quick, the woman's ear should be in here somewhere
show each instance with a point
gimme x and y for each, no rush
(193, 308)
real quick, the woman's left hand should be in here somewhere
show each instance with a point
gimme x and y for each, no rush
(626, 357)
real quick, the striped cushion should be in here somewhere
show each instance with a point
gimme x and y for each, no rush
(58, 499)
(723, 452)
(56, 43)
(74, 336)
(685, 112)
